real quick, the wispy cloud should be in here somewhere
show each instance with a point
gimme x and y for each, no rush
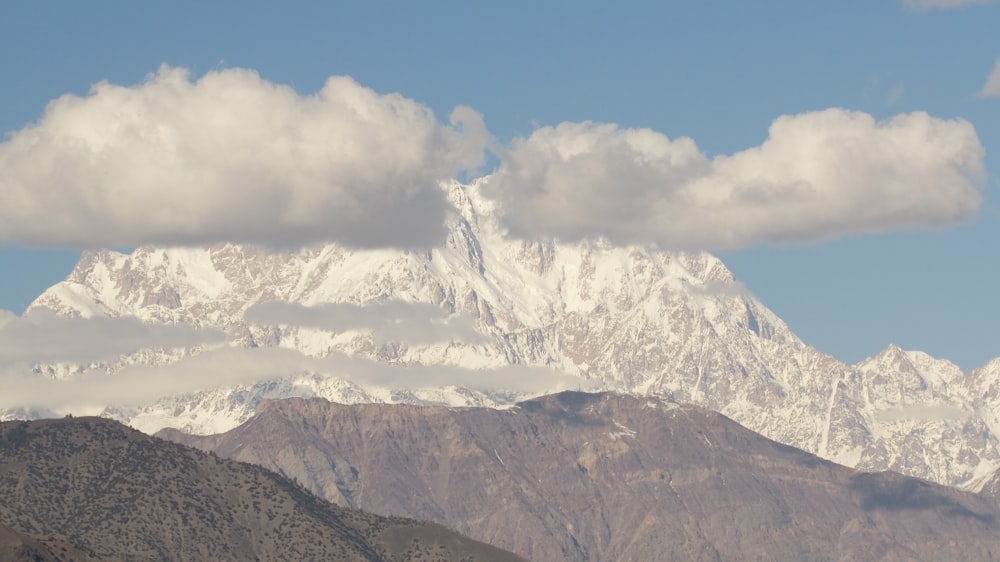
(392, 321)
(145, 384)
(42, 337)
(923, 412)
(886, 87)
(818, 175)
(714, 288)
(233, 157)
(944, 4)
(136, 385)
(895, 93)
(992, 87)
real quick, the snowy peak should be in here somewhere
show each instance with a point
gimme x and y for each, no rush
(896, 377)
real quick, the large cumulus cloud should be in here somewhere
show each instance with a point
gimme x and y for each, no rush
(232, 157)
(818, 175)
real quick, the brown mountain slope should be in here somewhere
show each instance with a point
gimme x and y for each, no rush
(121, 493)
(581, 476)
(20, 547)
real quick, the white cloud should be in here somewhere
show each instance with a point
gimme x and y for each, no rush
(233, 157)
(144, 384)
(6, 319)
(725, 289)
(992, 87)
(392, 321)
(511, 378)
(944, 4)
(818, 175)
(42, 337)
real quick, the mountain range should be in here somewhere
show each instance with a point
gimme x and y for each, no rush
(606, 477)
(488, 320)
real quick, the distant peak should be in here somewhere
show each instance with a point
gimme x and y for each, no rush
(892, 350)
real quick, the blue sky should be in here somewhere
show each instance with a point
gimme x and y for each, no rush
(717, 72)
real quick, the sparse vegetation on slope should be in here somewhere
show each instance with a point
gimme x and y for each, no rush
(607, 477)
(21, 547)
(123, 494)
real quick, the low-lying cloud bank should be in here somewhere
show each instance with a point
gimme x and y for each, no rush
(818, 175)
(391, 321)
(925, 412)
(43, 337)
(233, 157)
(222, 367)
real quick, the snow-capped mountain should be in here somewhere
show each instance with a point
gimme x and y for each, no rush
(633, 319)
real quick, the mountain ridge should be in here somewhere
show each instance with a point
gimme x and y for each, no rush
(124, 494)
(605, 476)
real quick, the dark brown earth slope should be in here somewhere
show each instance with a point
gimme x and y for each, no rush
(120, 493)
(607, 477)
(21, 547)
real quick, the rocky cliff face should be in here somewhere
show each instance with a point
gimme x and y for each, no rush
(579, 476)
(631, 319)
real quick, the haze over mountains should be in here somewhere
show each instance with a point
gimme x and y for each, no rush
(487, 320)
